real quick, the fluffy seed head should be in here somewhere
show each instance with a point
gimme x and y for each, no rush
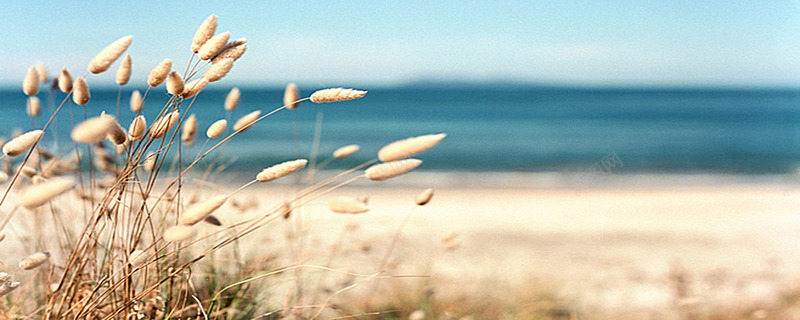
(160, 127)
(137, 258)
(39, 194)
(116, 134)
(336, 94)
(201, 210)
(233, 50)
(179, 233)
(408, 147)
(193, 88)
(347, 205)
(34, 106)
(424, 197)
(136, 101)
(392, 169)
(137, 127)
(189, 129)
(22, 143)
(34, 260)
(65, 81)
(30, 85)
(290, 96)
(150, 161)
(41, 70)
(80, 94)
(159, 73)
(7, 287)
(213, 46)
(124, 71)
(281, 170)
(218, 70)
(109, 54)
(346, 151)
(204, 32)
(246, 121)
(175, 83)
(93, 130)
(232, 100)
(216, 128)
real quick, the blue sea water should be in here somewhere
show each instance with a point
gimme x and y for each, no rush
(519, 129)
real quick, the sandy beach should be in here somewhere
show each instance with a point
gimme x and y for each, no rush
(618, 246)
(621, 246)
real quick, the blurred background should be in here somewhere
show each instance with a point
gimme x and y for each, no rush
(534, 86)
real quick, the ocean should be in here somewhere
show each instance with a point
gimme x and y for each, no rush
(515, 129)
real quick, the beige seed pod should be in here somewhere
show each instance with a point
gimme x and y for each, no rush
(116, 134)
(232, 100)
(290, 96)
(39, 194)
(281, 170)
(41, 71)
(218, 70)
(179, 233)
(213, 46)
(216, 128)
(408, 147)
(109, 54)
(159, 73)
(161, 126)
(347, 205)
(336, 94)
(124, 71)
(201, 210)
(137, 258)
(22, 143)
(175, 83)
(149, 161)
(30, 85)
(204, 32)
(34, 260)
(392, 169)
(424, 197)
(34, 106)
(233, 50)
(189, 129)
(27, 171)
(80, 94)
(93, 130)
(193, 88)
(137, 128)
(7, 287)
(246, 121)
(65, 81)
(136, 102)
(346, 151)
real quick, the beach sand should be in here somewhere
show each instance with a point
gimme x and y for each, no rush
(624, 244)
(616, 246)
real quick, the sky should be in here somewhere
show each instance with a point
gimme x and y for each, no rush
(372, 43)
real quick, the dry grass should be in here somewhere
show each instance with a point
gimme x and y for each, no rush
(122, 232)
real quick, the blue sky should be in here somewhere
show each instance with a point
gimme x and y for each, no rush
(641, 43)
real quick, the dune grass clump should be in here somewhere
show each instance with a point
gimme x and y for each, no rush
(123, 223)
